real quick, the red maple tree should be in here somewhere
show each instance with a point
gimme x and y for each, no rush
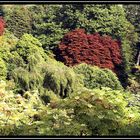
(78, 47)
(2, 25)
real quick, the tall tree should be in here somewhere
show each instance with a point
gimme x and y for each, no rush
(46, 25)
(18, 19)
(133, 15)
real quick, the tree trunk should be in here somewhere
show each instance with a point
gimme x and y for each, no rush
(138, 59)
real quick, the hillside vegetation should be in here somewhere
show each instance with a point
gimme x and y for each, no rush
(69, 70)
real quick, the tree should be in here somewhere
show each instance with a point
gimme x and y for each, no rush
(26, 64)
(106, 19)
(18, 19)
(133, 15)
(31, 69)
(2, 25)
(3, 70)
(77, 47)
(45, 25)
(7, 42)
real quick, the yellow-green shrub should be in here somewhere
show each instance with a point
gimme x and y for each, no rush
(16, 110)
(87, 113)
(95, 77)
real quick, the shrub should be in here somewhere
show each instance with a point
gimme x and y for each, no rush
(8, 42)
(61, 79)
(87, 113)
(77, 47)
(17, 110)
(94, 77)
(104, 112)
(2, 25)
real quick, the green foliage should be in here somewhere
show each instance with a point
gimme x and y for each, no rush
(30, 102)
(18, 19)
(3, 70)
(27, 46)
(132, 13)
(56, 123)
(61, 79)
(87, 112)
(8, 42)
(105, 112)
(27, 63)
(134, 83)
(46, 27)
(137, 71)
(16, 110)
(1, 10)
(32, 69)
(134, 86)
(95, 77)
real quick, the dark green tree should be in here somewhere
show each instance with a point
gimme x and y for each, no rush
(46, 25)
(133, 15)
(18, 19)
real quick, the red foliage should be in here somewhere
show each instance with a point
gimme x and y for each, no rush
(77, 47)
(2, 25)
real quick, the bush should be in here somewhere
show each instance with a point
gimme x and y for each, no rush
(17, 110)
(77, 47)
(61, 79)
(94, 77)
(2, 25)
(8, 42)
(104, 112)
(87, 113)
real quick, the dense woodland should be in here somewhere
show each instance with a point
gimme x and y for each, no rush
(70, 69)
